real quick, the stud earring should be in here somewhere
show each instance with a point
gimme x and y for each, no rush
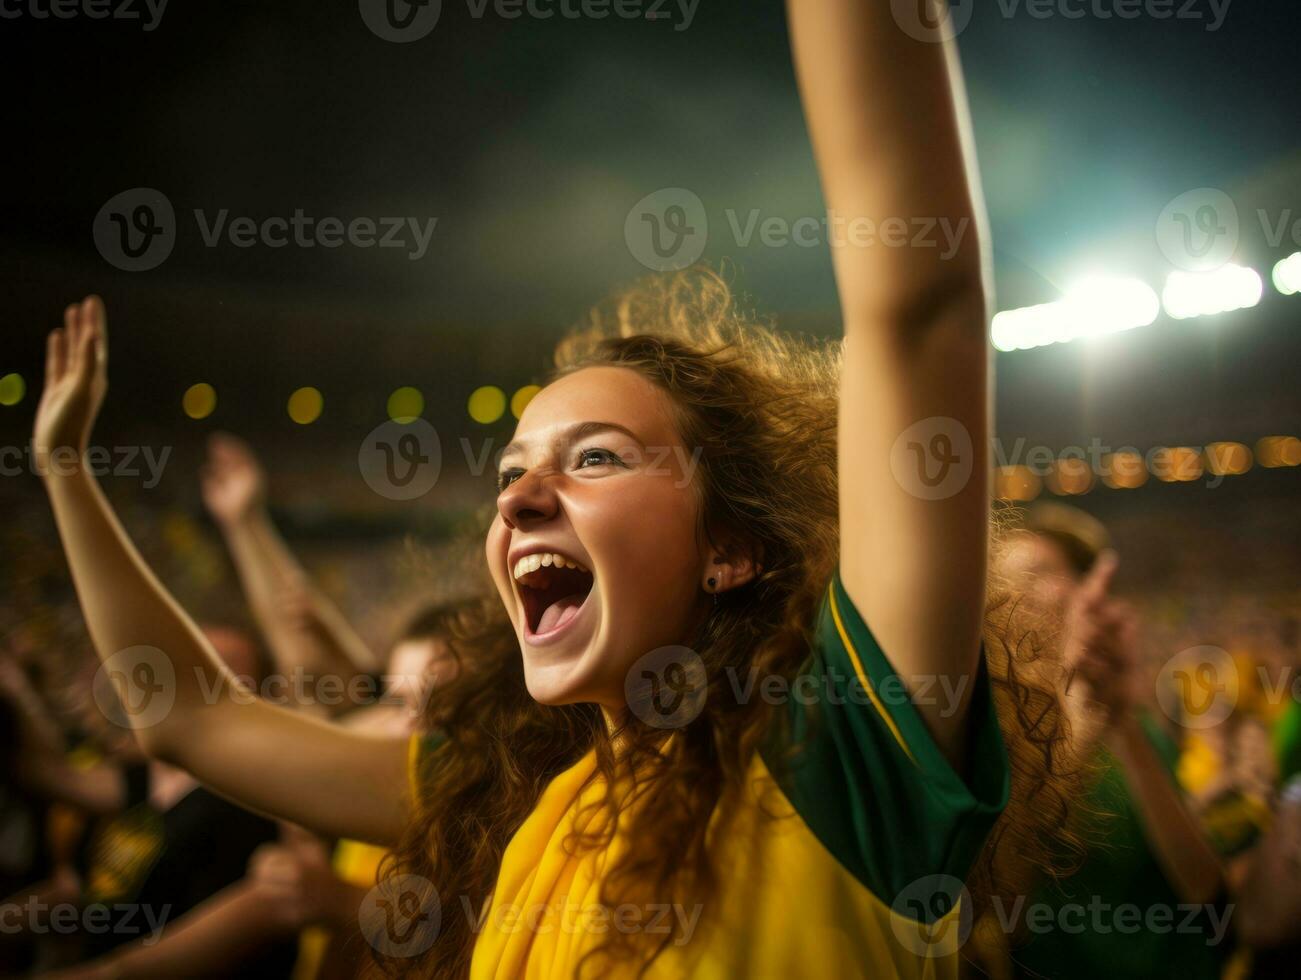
(713, 582)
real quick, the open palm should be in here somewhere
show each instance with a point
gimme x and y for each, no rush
(233, 484)
(76, 378)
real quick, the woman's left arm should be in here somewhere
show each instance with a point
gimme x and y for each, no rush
(887, 117)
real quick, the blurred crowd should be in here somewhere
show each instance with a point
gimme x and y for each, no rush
(1182, 690)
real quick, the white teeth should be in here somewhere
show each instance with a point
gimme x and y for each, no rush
(531, 563)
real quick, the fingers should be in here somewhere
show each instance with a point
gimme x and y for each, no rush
(95, 319)
(1098, 582)
(56, 356)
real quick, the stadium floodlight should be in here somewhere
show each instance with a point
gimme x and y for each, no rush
(1092, 307)
(1287, 274)
(1230, 287)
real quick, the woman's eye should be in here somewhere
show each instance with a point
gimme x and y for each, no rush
(506, 477)
(597, 457)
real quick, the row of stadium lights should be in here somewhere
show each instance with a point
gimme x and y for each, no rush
(1091, 308)
(1072, 476)
(485, 405)
(1103, 305)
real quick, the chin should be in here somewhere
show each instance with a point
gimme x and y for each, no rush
(558, 680)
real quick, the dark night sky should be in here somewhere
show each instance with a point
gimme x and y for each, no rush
(529, 140)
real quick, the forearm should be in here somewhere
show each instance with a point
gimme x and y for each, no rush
(888, 120)
(1190, 865)
(213, 940)
(125, 606)
(267, 570)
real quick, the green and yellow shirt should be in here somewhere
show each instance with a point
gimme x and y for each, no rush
(845, 859)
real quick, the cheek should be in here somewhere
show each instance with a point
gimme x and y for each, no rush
(643, 534)
(494, 549)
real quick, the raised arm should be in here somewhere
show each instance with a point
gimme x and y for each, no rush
(336, 782)
(888, 122)
(304, 630)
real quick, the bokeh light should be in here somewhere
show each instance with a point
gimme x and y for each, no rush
(305, 405)
(1123, 471)
(199, 400)
(1016, 483)
(12, 389)
(1276, 451)
(487, 404)
(405, 405)
(1227, 458)
(520, 400)
(1176, 464)
(1070, 476)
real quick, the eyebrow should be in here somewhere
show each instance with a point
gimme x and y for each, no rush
(578, 431)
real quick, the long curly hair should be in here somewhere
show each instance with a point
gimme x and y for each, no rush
(761, 405)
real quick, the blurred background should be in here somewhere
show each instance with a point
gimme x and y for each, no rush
(1114, 153)
(1141, 177)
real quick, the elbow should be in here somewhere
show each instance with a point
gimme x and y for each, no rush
(948, 302)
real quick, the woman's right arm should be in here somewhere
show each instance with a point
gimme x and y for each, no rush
(335, 782)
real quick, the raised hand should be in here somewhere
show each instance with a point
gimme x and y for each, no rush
(1101, 637)
(76, 379)
(232, 482)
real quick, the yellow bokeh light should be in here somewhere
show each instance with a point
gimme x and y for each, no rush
(405, 405)
(12, 389)
(1070, 476)
(520, 400)
(1016, 483)
(199, 401)
(305, 405)
(1177, 464)
(1228, 458)
(1274, 451)
(487, 404)
(1123, 470)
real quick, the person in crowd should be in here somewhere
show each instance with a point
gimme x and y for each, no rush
(305, 632)
(163, 843)
(693, 498)
(1151, 848)
(299, 886)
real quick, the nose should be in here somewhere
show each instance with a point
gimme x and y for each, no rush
(529, 501)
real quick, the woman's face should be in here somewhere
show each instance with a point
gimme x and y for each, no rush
(598, 475)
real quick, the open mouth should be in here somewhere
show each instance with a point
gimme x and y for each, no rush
(553, 589)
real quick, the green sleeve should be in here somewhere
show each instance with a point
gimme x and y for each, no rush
(859, 765)
(1287, 742)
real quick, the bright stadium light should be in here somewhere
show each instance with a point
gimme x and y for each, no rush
(1091, 308)
(1287, 275)
(1230, 287)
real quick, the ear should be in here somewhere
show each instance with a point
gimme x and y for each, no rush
(730, 564)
